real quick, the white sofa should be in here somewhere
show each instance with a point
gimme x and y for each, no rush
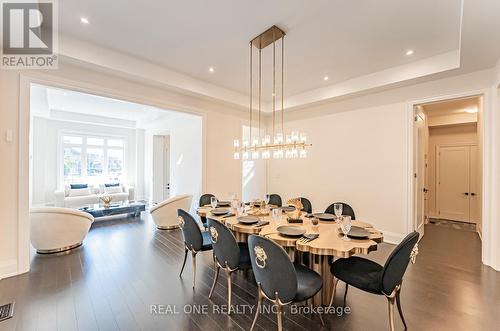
(56, 229)
(63, 198)
(165, 213)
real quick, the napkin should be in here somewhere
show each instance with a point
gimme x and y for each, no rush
(261, 223)
(311, 236)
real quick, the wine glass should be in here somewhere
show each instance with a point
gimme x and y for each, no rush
(240, 208)
(234, 204)
(345, 226)
(337, 209)
(276, 214)
(213, 202)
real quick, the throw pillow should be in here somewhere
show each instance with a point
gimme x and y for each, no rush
(112, 185)
(77, 186)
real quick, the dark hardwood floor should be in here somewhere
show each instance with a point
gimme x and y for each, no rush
(125, 266)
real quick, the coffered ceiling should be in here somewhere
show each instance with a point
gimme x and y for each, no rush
(358, 44)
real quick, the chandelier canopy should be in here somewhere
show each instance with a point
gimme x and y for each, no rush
(292, 145)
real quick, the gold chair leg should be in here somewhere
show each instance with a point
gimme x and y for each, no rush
(335, 282)
(193, 254)
(217, 268)
(279, 315)
(259, 306)
(229, 291)
(390, 301)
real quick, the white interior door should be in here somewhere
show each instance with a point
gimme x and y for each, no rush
(419, 166)
(453, 182)
(161, 170)
(474, 197)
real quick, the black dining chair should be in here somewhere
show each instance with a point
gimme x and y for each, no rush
(371, 277)
(346, 210)
(205, 199)
(275, 199)
(278, 279)
(229, 255)
(195, 240)
(306, 205)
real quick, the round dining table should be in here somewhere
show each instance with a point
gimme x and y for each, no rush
(322, 250)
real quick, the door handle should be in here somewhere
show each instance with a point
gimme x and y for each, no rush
(473, 194)
(426, 190)
(466, 193)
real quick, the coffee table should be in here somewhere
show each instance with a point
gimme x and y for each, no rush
(133, 208)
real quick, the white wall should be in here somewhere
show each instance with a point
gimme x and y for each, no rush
(186, 170)
(46, 146)
(358, 157)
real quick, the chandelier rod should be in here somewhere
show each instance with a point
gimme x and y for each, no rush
(274, 83)
(282, 83)
(251, 90)
(260, 84)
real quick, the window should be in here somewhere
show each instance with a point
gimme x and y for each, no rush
(92, 159)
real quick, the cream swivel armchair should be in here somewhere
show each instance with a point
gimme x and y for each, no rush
(55, 229)
(165, 213)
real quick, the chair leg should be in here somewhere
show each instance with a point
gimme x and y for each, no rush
(259, 306)
(390, 301)
(345, 294)
(398, 302)
(279, 316)
(229, 291)
(193, 254)
(217, 268)
(184, 263)
(335, 282)
(319, 315)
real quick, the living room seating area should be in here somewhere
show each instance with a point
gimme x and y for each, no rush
(79, 195)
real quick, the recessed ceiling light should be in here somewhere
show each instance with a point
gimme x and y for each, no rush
(84, 20)
(410, 52)
(211, 69)
(471, 110)
(325, 78)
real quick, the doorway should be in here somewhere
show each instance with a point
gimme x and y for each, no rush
(161, 168)
(448, 163)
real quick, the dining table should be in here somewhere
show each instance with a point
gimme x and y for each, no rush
(321, 251)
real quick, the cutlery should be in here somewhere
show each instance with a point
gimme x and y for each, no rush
(228, 215)
(307, 238)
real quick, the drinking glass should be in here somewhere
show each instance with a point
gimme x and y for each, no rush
(337, 209)
(241, 208)
(276, 213)
(213, 202)
(345, 226)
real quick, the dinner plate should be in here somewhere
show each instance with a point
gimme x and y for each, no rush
(358, 233)
(223, 203)
(248, 219)
(291, 231)
(288, 208)
(325, 216)
(220, 211)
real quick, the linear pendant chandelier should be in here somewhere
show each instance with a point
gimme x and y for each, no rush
(283, 145)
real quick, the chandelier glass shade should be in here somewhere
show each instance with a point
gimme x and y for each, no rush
(278, 144)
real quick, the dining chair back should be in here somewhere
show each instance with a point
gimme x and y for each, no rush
(190, 231)
(306, 205)
(205, 199)
(226, 249)
(396, 264)
(272, 268)
(275, 199)
(346, 210)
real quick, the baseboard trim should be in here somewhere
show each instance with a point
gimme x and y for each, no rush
(8, 269)
(392, 237)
